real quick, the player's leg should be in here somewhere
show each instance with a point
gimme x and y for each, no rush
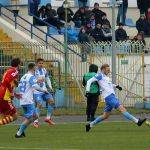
(127, 115)
(38, 100)
(8, 112)
(30, 115)
(115, 104)
(99, 119)
(88, 108)
(94, 103)
(50, 108)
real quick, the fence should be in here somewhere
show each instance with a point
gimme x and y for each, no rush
(130, 70)
(130, 67)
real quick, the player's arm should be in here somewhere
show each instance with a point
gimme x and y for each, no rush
(97, 77)
(118, 87)
(9, 78)
(35, 86)
(48, 81)
(89, 82)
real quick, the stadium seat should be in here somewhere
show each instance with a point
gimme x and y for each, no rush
(129, 22)
(72, 34)
(53, 31)
(4, 37)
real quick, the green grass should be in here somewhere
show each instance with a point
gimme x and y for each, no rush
(105, 136)
(81, 111)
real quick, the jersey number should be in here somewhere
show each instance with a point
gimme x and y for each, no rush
(23, 86)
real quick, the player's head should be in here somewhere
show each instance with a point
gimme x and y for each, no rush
(31, 67)
(40, 62)
(93, 68)
(15, 62)
(105, 69)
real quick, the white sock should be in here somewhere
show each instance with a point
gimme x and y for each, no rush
(48, 116)
(91, 125)
(18, 133)
(36, 121)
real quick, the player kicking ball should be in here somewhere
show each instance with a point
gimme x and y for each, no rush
(110, 98)
(27, 85)
(41, 72)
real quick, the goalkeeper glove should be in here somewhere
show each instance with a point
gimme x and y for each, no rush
(119, 88)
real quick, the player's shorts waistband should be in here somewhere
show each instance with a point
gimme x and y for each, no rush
(110, 96)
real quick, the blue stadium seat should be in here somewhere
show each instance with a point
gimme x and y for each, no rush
(72, 34)
(129, 22)
(53, 30)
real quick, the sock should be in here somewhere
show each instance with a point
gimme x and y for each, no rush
(6, 120)
(49, 111)
(21, 129)
(96, 121)
(38, 113)
(130, 117)
(36, 121)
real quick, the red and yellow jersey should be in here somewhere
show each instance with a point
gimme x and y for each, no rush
(9, 81)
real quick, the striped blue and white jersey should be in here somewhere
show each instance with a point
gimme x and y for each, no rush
(41, 74)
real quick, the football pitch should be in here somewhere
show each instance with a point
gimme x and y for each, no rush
(72, 136)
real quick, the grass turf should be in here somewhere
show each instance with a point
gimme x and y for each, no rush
(105, 136)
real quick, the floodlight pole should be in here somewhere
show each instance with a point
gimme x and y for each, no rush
(113, 43)
(66, 54)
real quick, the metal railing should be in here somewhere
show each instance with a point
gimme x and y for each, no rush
(29, 28)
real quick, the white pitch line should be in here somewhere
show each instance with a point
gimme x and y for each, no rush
(27, 148)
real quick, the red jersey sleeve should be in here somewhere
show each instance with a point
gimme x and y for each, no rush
(9, 76)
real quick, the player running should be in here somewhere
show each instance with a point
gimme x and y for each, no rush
(41, 72)
(27, 85)
(8, 111)
(109, 94)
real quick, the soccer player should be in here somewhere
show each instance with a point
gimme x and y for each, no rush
(41, 72)
(92, 99)
(27, 85)
(8, 111)
(111, 101)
